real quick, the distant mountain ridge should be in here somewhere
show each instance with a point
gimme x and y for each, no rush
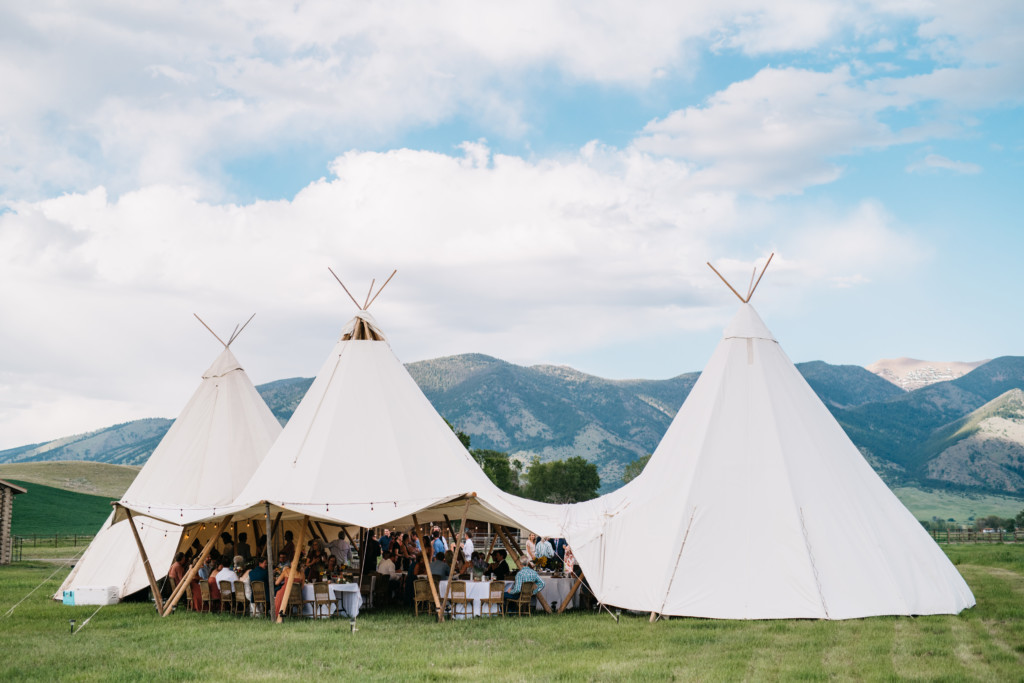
(957, 434)
(910, 373)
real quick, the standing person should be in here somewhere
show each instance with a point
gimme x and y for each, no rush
(467, 544)
(341, 548)
(385, 540)
(411, 549)
(372, 551)
(531, 547)
(289, 546)
(243, 547)
(437, 546)
(544, 549)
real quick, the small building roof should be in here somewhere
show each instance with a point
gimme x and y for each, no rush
(12, 487)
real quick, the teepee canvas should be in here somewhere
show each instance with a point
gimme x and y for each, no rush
(762, 508)
(204, 460)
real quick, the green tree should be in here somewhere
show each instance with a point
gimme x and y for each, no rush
(499, 468)
(463, 436)
(1020, 520)
(633, 469)
(562, 481)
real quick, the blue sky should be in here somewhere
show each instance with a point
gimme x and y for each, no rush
(549, 180)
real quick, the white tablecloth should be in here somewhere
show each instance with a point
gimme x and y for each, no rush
(554, 592)
(351, 600)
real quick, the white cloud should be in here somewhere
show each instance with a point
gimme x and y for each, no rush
(528, 260)
(934, 162)
(127, 95)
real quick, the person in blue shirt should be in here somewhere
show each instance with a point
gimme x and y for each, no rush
(437, 545)
(525, 574)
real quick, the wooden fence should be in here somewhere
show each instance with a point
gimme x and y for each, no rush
(53, 540)
(972, 536)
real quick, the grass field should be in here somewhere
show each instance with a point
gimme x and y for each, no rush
(48, 510)
(93, 478)
(129, 642)
(960, 506)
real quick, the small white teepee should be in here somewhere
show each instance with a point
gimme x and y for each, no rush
(204, 460)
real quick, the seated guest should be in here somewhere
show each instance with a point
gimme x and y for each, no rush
(177, 571)
(282, 580)
(333, 569)
(207, 568)
(438, 567)
(282, 562)
(387, 565)
(462, 565)
(214, 586)
(316, 561)
(229, 574)
(257, 573)
(525, 574)
(499, 567)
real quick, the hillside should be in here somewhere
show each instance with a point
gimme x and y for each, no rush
(93, 478)
(48, 510)
(555, 412)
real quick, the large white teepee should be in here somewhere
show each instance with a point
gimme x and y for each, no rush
(756, 505)
(203, 461)
(366, 448)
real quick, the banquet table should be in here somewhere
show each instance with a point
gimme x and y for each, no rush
(345, 593)
(554, 591)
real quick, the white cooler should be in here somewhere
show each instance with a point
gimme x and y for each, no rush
(91, 595)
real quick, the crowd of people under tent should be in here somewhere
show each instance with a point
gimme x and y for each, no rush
(395, 558)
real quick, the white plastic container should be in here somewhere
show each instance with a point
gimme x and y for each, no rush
(92, 595)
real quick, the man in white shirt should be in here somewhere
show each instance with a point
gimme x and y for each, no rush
(467, 545)
(544, 548)
(229, 574)
(341, 549)
(387, 565)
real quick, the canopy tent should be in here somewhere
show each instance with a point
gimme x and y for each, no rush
(203, 461)
(364, 448)
(756, 505)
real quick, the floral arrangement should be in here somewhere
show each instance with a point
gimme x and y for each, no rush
(541, 562)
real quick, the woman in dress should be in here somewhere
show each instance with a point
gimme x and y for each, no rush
(531, 548)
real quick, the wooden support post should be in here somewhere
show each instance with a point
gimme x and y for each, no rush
(430, 577)
(312, 531)
(172, 601)
(294, 567)
(515, 556)
(145, 563)
(494, 542)
(455, 555)
(654, 617)
(572, 592)
(274, 529)
(448, 523)
(323, 534)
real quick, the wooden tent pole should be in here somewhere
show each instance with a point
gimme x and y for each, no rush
(294, 567)
(172, 601)
(270, 564)
(762, 275)
(381, 289)
(367, 301)
(312, 531)
(494, 542)
(237, 331)
(145, 562)
(515, 556)
(448, 523)
(345, 288)
(430, 577)
(455, 555)
(211, 331)
(572, 592)
(274, 528)
(727, 283)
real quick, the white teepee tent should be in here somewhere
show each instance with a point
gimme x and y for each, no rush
(203, 461)
(366, 448)
(756, 505)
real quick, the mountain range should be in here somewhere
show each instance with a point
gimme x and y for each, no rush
(962, 434)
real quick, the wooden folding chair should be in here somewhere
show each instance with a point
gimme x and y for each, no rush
(422, 597)
(525, 599)
(259, 598)
(494, 603)
(321, 599)
(205, 601)
(226, 598)
(457, 596)
(240, 603)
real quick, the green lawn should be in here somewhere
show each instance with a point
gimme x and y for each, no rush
(129, 642)
(48, 510)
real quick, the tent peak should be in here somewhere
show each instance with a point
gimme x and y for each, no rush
(753, 284)
(370, 296)
(234, 335)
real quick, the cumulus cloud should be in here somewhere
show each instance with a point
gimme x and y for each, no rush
(529, 260)
(137, 95)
